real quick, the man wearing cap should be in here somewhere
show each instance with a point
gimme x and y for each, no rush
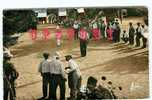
(44, 70)
(10, 74)
(58, 77)
(74, 77)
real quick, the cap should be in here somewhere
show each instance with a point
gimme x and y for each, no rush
(68, 56)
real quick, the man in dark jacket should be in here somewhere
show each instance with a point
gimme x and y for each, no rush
(138, 34)
(9, 76)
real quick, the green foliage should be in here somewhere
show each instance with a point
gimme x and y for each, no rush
(17, 21)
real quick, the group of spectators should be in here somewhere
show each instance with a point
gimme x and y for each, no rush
(113, 31)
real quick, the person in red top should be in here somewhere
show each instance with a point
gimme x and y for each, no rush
(46, 33)
(70, 33)
(33, 34)
(83, 35)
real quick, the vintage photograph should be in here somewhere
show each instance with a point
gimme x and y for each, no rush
(76, 53)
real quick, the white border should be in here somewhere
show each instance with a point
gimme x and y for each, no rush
(9, 4)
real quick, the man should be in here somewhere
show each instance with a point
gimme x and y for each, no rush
(83, 35)
(9, 76)
(58, 78)
(144, 38)
(74, 77)
(118, 30)
(102, 29)
(138, 34)
(44, 70)
(131, 34)
(124, 36)
(114, 33)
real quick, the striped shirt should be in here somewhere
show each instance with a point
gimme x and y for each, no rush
(44, 66)
(56, 67)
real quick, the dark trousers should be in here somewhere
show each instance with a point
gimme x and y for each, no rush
(131, 40)
(138, 36)
(118, 37)
(57, 80)
(46, 81)
(83, 47)
(76, 33)
(102, 32)
(114, 35)
(74, 83)
(10, 90)
(125, 40)
(144, 41)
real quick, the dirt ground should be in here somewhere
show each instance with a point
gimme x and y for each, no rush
(124, 65)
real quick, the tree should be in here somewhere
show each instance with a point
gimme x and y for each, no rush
(17, 21)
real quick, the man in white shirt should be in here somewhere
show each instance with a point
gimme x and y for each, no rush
(58, 78)
(44, 70)
(144, 31)
(74, 77)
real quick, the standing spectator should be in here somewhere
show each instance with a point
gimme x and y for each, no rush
(9, 76)
(76, 30)
(131, 34)
(74, 77)
(83, 35)
(138, 34)
(124, 36)
(118, 30)
(114, 34)
(58, 78)
(44, 69)
(58, 35)
(102, 29)
(109, 32)
(144, 39)
(90, 28)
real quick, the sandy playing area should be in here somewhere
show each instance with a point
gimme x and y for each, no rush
(122, 64)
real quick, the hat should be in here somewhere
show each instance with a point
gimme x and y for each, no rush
(6, 56)
(68, 56)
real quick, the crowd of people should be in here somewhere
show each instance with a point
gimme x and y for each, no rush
(97, 29)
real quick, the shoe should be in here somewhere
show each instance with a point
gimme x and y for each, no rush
(143, 47)
(136, 46)
(42, 98)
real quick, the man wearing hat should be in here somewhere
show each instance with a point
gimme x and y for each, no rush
(44, 69)
(10, 74)
(58, 77)
(74, 76)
